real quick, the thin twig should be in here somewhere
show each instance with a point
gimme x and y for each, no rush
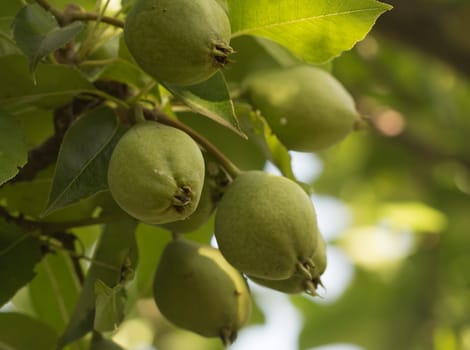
(162, 117)
(78, 15)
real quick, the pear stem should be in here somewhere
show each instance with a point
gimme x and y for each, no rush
(163, 118)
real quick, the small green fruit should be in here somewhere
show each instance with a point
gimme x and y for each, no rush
(298, 283)
(181, 42)
(156, 173)
(306, 107)
(195, 288)
(266, 226)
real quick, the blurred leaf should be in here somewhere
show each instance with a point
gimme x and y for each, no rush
(253, 54)
(151, 241)
(100, 343)
(55, 84)
(413, 216)
(13, 151)
(10, 8)
(109, 306)
(115, 249)
(55, 289)
(86, 4)
(82, 166)
(210, 98)
(19, 254)
(38, 34)
(316, 32)
(125, 72)
(36, 125)
(7, 44)
(21, 332)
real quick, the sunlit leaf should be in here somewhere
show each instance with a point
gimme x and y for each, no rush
(13, 151)
(19, 254)
(316, 31)
(413, 216)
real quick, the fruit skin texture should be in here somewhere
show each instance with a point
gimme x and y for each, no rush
(156, 173)
(195, 288)
(265, 225)
(305, 106)
(180, 42)
(298, 283)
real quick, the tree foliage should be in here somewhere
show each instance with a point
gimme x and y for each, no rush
(75, 269)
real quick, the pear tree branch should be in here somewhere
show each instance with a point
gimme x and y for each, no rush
(72, 14)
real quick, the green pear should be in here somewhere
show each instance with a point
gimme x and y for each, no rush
(266, 226)
(180, 42)
(156, 173)
(196, 289)
(305, 106)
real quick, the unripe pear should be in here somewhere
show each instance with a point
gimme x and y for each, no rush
(266, 226)
(305, 106)
(298, 283)
(156, 173)
(196, 289)
(181, 42)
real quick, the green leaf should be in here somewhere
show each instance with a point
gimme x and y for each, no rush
(259, 132)
(13, 151)
(109, 307)
(100, 343)
(7, 44)
(151, 241)
(38, 34)
(210, 98)
(55, 289)
(315, 31)
(125, 72)
(89, 5)
(82, 165)
(56, 84)
(241, 151)
(116, 248)
(11, 7)
(21, 332)
(19, 254)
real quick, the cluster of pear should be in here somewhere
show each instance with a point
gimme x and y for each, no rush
(265, 225)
